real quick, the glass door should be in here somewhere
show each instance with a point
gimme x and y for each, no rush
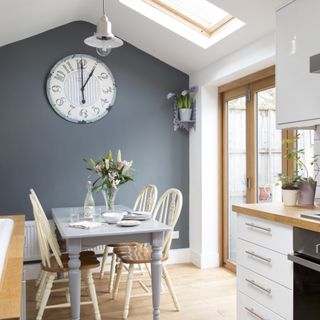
(252, 154)
(236, 166)
(269, 147)
(237, 159)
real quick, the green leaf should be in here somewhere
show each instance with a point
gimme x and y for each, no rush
(92, 163)
(110, 155)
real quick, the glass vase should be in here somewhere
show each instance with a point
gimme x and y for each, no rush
(109, 196)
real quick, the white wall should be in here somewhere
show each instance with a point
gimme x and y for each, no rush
(204, 144)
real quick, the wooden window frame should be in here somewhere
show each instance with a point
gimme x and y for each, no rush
(253, 83)
(208, 32)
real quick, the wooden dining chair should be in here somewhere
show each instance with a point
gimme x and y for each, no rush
(41, 214)
(54, 262)
(167, 211)
(145, 202)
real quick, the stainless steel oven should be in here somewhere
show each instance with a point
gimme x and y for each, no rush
(306, 259)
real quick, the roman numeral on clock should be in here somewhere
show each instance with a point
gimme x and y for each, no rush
(60, 75)
(68, 67)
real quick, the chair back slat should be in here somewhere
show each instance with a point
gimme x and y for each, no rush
(48, 242)
(167, 211)
(146, 199)
(43, 246)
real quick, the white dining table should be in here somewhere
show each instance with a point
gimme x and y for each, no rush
(149, 231)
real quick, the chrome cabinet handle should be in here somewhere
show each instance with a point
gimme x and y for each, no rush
(293, 45)
(252, 253)
(268, 291)
(254, 313)
(252, 225)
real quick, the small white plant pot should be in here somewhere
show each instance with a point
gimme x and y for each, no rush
(185, 114)
(289, 197)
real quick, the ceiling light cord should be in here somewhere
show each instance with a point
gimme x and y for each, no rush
(104, 7)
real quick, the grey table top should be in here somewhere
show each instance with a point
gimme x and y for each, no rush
(61, 217)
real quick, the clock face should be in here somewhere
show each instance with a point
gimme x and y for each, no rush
(81, 88)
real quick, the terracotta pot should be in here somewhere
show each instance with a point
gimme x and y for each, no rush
(289, 197)
(264, 193)
(307, 193)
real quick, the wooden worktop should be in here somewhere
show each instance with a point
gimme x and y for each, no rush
(280, 213)
(11, 282)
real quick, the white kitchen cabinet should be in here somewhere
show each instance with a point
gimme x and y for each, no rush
(264, 274)
(248, 309)
(265, 292)
(265, 233)
(297, 38)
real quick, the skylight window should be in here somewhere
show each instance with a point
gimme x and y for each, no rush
(196, 20)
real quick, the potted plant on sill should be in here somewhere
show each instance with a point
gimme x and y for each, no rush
(184, 102)
(307, 185)
(290, 189)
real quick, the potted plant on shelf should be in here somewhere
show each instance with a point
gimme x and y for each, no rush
(290, 189)
(184, 101)
(111, 174)
(307, 185)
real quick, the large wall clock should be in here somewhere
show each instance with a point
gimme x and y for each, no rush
(81, 88)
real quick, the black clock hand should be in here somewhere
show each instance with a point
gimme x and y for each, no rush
(90, 75)
(82, 88)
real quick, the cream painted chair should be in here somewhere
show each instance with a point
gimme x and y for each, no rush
(145, 202)
(167, 211)
(54, 262)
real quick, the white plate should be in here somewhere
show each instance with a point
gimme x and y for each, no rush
(140, 212)
(128, 223)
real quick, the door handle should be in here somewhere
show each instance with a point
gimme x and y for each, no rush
(293, 46)
(248, 183)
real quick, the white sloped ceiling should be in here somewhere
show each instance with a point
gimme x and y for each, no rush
(25, 18)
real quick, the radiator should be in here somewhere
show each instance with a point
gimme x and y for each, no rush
(31, 247)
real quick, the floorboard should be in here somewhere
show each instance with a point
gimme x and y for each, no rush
(203, 295)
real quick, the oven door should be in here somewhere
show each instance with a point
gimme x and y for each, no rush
(306, 287)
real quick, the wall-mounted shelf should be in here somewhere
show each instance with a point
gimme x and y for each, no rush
(177, 123)
(187, 125)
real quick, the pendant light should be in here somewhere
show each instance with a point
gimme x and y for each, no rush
(103, 39)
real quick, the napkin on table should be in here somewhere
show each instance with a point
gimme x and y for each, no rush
(85, 224)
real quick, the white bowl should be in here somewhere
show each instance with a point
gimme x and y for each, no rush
(112, 217)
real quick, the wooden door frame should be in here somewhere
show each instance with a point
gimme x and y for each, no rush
(226, 96)
(253, 83)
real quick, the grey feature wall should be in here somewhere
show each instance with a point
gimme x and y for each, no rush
(41, 150)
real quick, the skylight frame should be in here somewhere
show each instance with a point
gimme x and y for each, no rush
(204, 30)
(183, 28)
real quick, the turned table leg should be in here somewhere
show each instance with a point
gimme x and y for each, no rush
(156, 270)
(74, 248)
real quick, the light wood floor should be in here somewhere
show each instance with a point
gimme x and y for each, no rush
(203, 295)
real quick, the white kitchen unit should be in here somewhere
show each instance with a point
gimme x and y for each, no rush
(6, 227)
(264, 273)
(298, 90)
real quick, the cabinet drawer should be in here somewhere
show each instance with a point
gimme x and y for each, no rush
(271, 235)
(248, 309)
(269, 294)
(272, 265)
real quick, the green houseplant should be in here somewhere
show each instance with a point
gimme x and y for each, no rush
(184, 101)
(307, 184)
(290, 189)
